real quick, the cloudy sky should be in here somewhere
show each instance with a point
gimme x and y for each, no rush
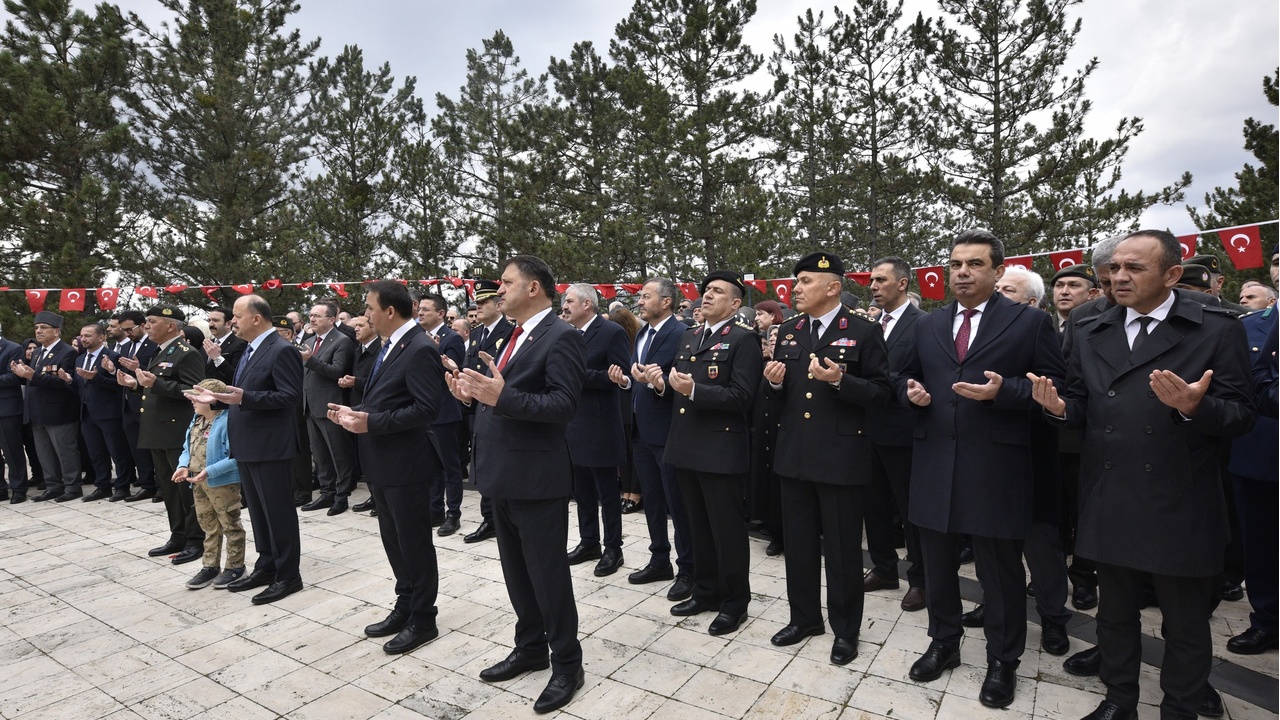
(1192, 70)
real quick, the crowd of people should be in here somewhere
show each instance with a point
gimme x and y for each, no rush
(1113, 433)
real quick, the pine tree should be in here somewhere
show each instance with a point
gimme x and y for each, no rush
(427, 233)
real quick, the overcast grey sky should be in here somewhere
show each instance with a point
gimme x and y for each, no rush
(1191, 69)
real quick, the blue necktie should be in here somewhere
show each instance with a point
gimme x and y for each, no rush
(644, 344)
(244, 361)
(377, 363)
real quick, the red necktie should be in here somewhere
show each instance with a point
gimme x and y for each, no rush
(962, 337)
(316, 348)
(515, 335)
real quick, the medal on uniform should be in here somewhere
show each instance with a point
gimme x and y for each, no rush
(713, 371)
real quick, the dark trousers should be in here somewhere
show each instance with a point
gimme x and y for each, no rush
(142, 463)
(1082, 572)
(821, 520)
(179, 503)
(301, 467)
(268, 491)
(597, 487)
(334, 450)
(1048, 567)
(404, 522)
(1233, 556)
(1004, 587)
(14, 454)
(718, 531)
(59, 450)
(33, 457)
(1256, 502)
(446, 489)
(486, 505)
(1185, 604)
(531, 542)
(108, 445)
(890, 485)
(661, 493)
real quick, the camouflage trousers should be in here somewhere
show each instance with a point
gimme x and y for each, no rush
(218, 512)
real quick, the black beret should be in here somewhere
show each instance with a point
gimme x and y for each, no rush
(282, 321)
(166, 311)
(819, 262)
(486, 289)
(44, 317)
(1195, 275)
(1210, 262)
(728, 276)
(1084, 272)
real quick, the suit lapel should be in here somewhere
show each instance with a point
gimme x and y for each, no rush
(999, 313)
(538, 331)
(1108, 339)
(396, 351)
(942, 329)
(902, 325)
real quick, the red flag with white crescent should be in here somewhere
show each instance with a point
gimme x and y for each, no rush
(272, 284)
(35, 300)
(1066, 259)
(243, 289)
(147, 291)
(107, 298)
(1022, 260)
(931, 283)
(608, 292)
(1188, 244)
(208, 292)
(759, 285)
(782, 288)
(633, 288)
(1243, 246)
(71, 299)
(305, 285)
(339, 288)
(690, 291)
(471, 288)
(174, 289)
(862, 278)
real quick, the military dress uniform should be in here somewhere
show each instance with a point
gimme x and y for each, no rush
(709, 446)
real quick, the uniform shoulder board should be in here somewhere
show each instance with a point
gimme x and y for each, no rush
(744, 326)
(1252, 312)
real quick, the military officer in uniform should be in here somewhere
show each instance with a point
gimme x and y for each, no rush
(1216, 280)
(714, 378)
(830, 365)
(492, 331)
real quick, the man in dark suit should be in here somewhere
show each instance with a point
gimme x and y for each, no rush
(101, 420)
(368, 347)
(597, 443)
(651, 360)
(136, 351)
(968, 378)
(328, 357)
(492, 331)
(446, 493)
(223, 349)
(890, 429)
(11, 408)
(713, 383)
(829, 366)
(262, 431)
(525, 404)
(393, 424)
(53, 406)
(1160, 385)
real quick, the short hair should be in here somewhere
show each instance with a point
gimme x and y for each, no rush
(226, 312)
(771, 307)
(437, 301)
(329, 307)
(97, 326)
(394, 295)
(1035, 283)
(532, 268)
(1172, 254)
(978, 236)
(134, 316)
(666, 289)
(258, 305)
(900, 267)
(1267, 289)
(1103, 250)
(584, 292)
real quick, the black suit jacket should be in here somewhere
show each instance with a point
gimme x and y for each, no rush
(232, 348)
(521, 451)
(492, 345)
(102, 396)
(10, 384)
(364, 365)
(264, 426)
(335, 360)
(50, 401)
(142, 351)
(971, 463)
(402, 400)
(596, 436)
(653, 411)
(890, 423)
(452, 346)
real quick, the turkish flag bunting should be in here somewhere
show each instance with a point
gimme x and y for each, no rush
(690, 290)
(759, 285)
(71, 299)
(147, 291)
(208, 292)
(174, 289)
(931, 285)
(454, 281)
(243, 289)
(339, 288)
(35, 300)
(429, 283)
(1066, 259)
(272, 284)
(608, 292)
(862, 278)
(1244, 246)
(305, 285)
(633, 288)
(107, 298)
(1188, 243)
(471, 287)
(1023, 260)
(562, 287)
(782, 288)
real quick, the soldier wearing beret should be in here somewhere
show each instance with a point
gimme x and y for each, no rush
(829, 366)
(1216, 280)
(1072, 286)
(714, 378)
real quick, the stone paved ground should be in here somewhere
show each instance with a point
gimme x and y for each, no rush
(92, 628)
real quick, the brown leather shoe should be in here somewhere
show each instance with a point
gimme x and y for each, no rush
(873, 581)
(913, 601)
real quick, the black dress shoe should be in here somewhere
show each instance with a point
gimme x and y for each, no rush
(975, 617)
(118, 495)
(448, 527)
(681, 589)
(390, 625)
(47, 495)
(651, 573)
(792, 634)
(168, 548)
(321, 503)
(156, 499)
(1084, 598)
(373, 513)
(68, 496)
(339, 506)
(1110, 711)
(774, 549)
(1210, 703)
(189, 553)
(1085, 663)
(873, 581)
(17, 497)
(1031, 591)
(913, 600)
(966, 555)
(583, 553)
(609, 563)
(278, 590)
(726, 623)
(631, 506)
(937, 658)
(365, 506)
(484, 532)
(1253, 641)
(411, 638)
(513, 666)
(689, 607)
(301, 498)
(843, 651)
(1053, 638)
(97, 494)
(1231, 591)
(559, 691)
(997, 688)
(142, 494)
(255, 579)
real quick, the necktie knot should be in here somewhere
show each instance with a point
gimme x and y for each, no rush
(511, 348)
